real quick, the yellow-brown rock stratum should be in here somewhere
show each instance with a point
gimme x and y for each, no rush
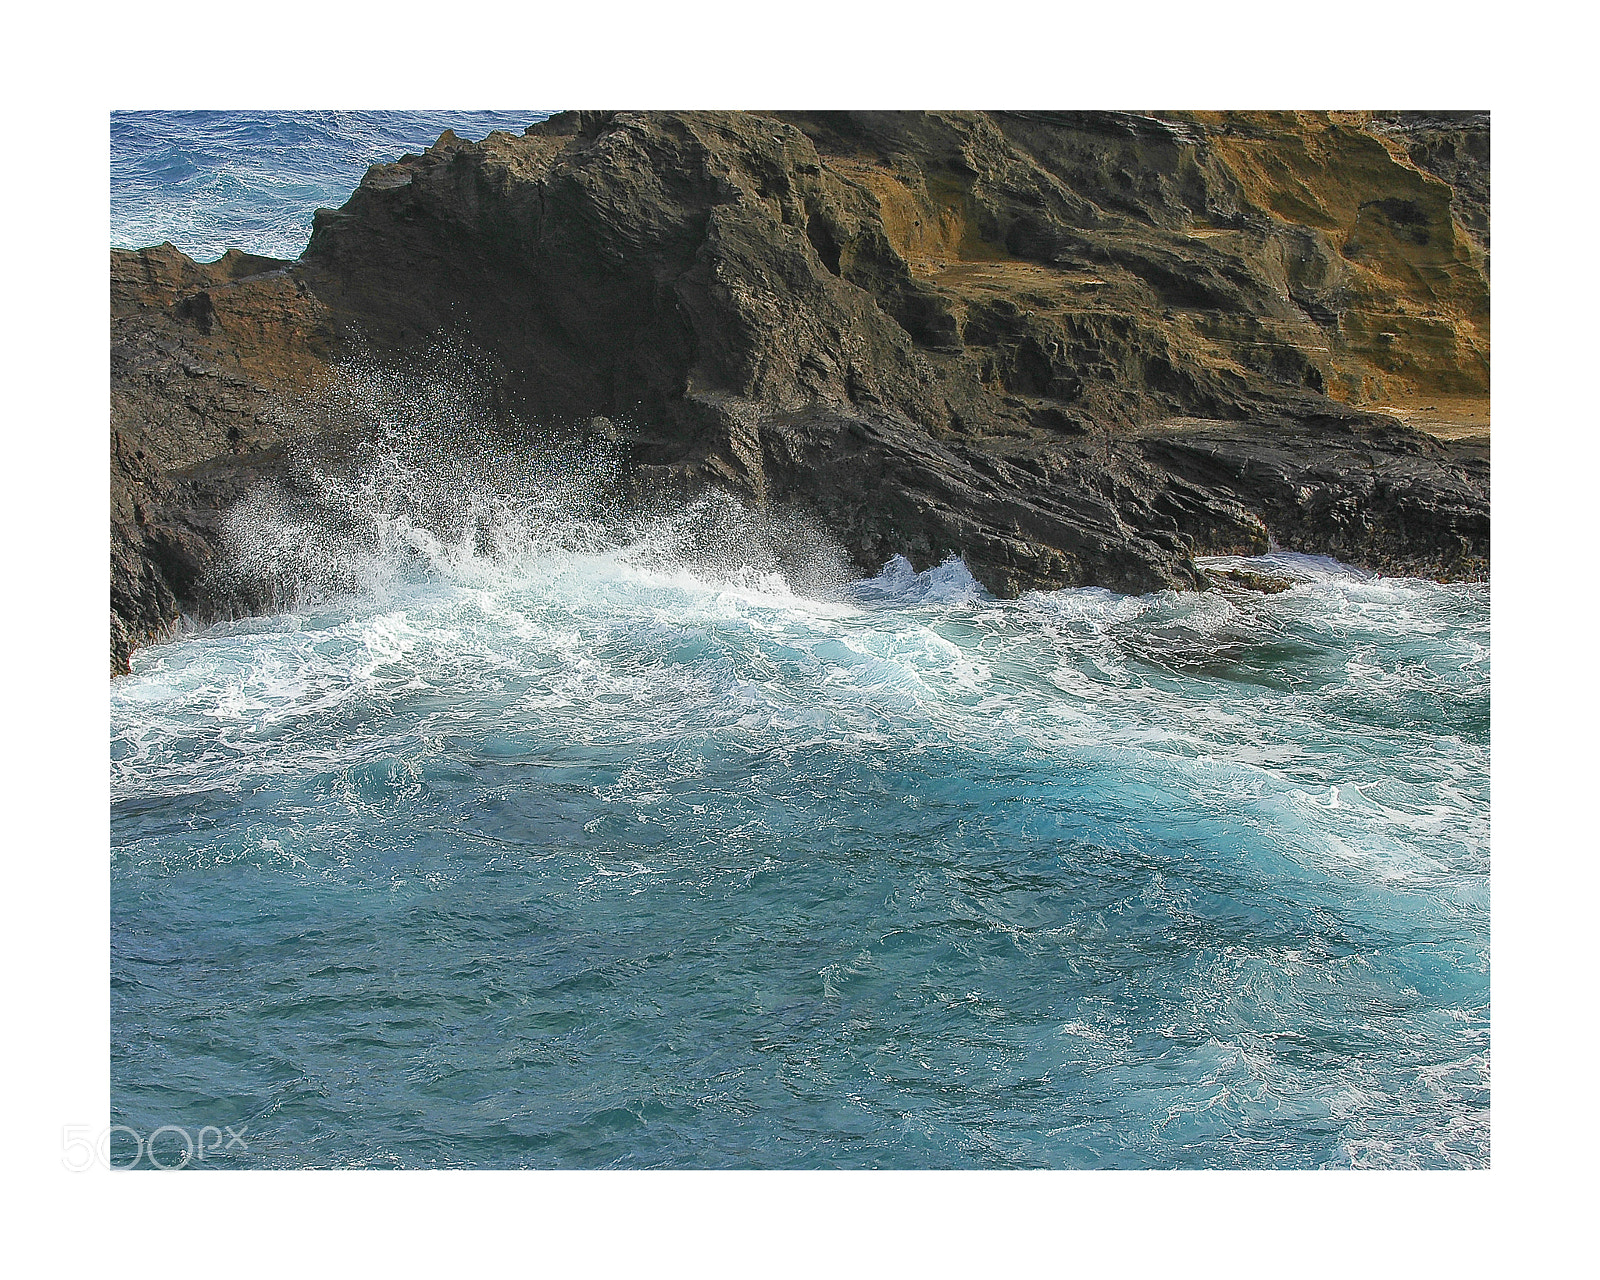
(1074, 348)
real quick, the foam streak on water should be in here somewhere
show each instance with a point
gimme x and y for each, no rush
(535, 837)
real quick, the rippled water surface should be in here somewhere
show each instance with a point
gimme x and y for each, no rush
(530, 834)
(582, 859)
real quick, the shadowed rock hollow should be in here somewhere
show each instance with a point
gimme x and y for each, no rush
(1074, 348)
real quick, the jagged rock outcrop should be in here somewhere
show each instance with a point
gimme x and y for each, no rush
(1076, 348)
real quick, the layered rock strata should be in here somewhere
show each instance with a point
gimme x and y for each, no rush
(1073, 348)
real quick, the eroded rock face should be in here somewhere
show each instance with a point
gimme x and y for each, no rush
(202, 356)
(942, 332)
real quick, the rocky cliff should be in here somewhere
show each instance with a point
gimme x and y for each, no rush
(1073, 348)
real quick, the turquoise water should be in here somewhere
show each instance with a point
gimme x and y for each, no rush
(556, 842)
(533, 833)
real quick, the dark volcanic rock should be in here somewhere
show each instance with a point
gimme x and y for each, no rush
(1379, 496)
(941, 332)
(202, 358)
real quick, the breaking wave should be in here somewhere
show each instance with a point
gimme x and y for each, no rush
(541, 826)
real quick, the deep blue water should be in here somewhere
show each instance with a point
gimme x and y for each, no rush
(527, 835)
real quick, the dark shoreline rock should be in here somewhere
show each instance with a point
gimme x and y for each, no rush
(1075, 348)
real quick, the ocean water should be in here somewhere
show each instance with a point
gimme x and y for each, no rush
(210, 181)
(536, 831)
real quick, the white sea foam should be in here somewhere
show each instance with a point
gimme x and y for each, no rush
(1075, 878)
(448, 558)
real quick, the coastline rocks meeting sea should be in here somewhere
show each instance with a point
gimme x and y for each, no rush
(1071, 348)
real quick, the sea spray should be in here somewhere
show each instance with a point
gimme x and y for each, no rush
(428, 478)
(538, 828)
(542, 830)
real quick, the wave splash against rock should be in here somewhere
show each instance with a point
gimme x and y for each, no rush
(1072, 348)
